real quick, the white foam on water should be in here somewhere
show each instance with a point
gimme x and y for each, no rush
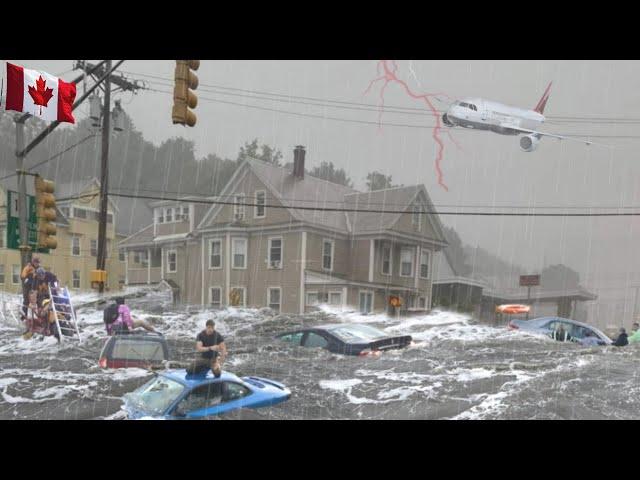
(8, 381)
(60, 391)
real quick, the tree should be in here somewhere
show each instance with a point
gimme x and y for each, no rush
(267, 154)
(378, 181)
(327, 171)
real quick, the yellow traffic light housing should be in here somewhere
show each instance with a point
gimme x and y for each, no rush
(183, 97)
(46, 213)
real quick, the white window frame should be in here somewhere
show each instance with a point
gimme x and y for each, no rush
(264, 205)
(269, 289)
(428, 254)
(211, 242)
(307, 302)
(373, 299)
(211, 289)
(167, 211)
(73, 240)
(169, 252)
(91, 242)
(13, 274)
(271, 239)
(244, 295)
(239, 207)
(233, 252)
(386, 245)
(333, 253)
(2, 274)
(159, 216)
(73, 279)
(422, 299)
(335, 292)
(413, 260)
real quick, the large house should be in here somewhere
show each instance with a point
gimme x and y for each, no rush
(263, 242)
(77, 235)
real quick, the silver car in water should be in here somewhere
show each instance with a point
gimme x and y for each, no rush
(561, 329)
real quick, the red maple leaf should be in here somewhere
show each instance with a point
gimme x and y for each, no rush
(41, 95)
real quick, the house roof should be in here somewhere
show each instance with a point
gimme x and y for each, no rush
(305, 192)
(144, 236)
(388, 199)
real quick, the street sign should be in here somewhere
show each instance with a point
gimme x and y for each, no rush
(529, 280)
(13, 223)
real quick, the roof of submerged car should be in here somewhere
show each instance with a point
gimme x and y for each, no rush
(193, 380)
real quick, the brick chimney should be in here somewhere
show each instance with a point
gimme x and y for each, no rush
(298, 161)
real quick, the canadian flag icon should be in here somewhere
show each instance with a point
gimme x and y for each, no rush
(40, 94)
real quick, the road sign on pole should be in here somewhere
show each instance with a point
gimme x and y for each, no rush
(13, 223)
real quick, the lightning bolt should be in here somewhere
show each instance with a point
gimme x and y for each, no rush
(386, 71)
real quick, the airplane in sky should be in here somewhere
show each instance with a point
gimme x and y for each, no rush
(481, 114)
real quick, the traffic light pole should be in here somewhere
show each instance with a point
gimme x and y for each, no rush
(25, 249)
(104, 177)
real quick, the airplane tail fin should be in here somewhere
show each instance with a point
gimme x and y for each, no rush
(543, 101)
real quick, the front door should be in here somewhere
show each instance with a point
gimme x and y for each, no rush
(366, 302)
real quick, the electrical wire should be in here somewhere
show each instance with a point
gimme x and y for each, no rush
(359, 210)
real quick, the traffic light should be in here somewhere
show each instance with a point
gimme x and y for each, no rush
(46, 213)
(183, 97)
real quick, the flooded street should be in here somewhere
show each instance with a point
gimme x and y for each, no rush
(457, 369)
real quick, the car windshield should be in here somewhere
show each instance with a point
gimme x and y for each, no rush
(133, 349)
(350, 333)
(156, 395)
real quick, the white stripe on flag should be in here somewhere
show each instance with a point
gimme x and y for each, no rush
(50, 112)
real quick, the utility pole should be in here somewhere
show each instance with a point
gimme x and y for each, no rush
(104, 176)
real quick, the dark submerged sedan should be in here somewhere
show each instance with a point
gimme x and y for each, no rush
(346, 339)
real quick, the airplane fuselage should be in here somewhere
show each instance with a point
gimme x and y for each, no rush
(481, 114)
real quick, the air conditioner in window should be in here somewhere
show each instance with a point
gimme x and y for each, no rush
(275, 263)
(239, 216)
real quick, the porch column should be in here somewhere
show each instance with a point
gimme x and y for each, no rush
(148, 266)
(372, 256)
(344, 297)
(303, 266)
(126, 267)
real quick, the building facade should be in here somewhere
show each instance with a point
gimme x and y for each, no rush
(263, 242)
(77, 234)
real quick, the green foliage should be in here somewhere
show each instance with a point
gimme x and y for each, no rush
(327, 171)
(378, 181)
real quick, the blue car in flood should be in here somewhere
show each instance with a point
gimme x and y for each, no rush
(561, 329)
(177, 395)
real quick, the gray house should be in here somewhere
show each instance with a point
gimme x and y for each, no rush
(262, 242)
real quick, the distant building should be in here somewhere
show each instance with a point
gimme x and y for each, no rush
(271, 253)
(77, 235)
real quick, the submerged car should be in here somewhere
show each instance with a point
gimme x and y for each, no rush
(175, 394)
(346, 339)
(134, 350)
(561, 329)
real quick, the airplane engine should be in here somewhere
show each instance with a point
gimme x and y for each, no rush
(447, 122)
(529, 143)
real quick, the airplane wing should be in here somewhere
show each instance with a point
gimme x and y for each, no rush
(553, 135)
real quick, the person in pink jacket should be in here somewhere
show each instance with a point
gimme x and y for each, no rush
(125, 321)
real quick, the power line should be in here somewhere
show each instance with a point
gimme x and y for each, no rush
(387, 108)
(365, 122)
(358, 210)
(528, 207)
(52, 157)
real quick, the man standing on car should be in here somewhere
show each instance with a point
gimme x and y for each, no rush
(210, 345)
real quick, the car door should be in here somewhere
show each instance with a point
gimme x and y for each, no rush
(234, 396)
(294, 338)
(315, 340)
(200, 401)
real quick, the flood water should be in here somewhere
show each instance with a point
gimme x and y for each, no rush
(457, 369)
